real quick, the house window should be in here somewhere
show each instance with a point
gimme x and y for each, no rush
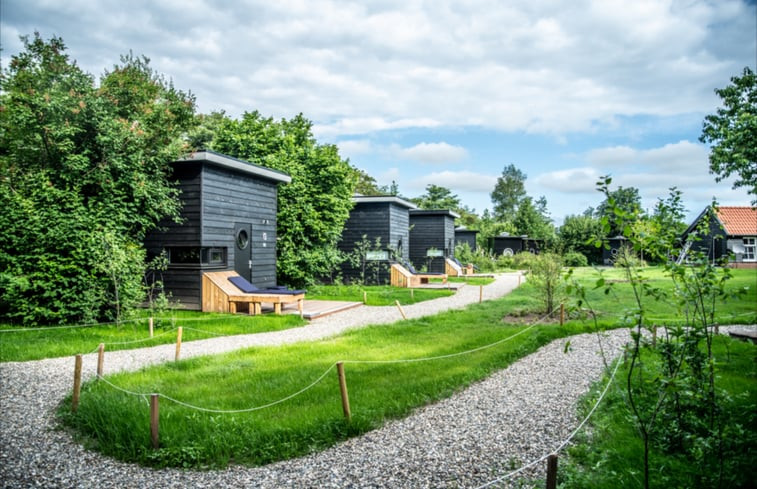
(190, 255)
(750, 248)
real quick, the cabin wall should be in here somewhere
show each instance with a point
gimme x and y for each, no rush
(431, 232)
(466, 237)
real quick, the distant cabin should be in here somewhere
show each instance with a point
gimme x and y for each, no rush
(732, 230)
(385, 217)
(610, 252)
(432, 238)
(228, 223)
(508, 245)
(464, 235)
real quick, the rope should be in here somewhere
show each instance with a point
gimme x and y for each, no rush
(566, 441)
(141, 339)
(256, 408)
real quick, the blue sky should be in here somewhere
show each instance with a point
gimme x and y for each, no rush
(448, 93)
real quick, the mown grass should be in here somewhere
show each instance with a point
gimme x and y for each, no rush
(22, 344)
(118, 424)
(376, 295)
(609, 453)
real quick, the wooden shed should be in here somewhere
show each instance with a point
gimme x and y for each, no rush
(432, 238)
(383, 217)
(464, 235)
(228, 223)
(612, 249)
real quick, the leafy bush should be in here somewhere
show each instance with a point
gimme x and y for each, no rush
(523, 260)
(575, 259)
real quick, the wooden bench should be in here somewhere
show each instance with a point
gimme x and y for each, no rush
(455, 270)
(402, 277)
(220, 295)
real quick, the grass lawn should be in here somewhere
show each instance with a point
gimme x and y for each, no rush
(22, 344)
(376, 295)
(609, 453)
(118, 424)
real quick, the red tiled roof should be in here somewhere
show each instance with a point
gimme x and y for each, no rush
(739, 221)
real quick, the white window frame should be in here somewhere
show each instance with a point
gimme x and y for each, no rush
(750, 248)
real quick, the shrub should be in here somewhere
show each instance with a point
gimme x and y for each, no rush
(575, 259)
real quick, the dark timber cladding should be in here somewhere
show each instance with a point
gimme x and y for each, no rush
(463, 235)
(228, 223)
(384, 217)
(432, 238)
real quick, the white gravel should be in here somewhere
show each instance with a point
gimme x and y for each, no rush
(516, 415)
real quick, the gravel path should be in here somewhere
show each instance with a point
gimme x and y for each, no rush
(516, 415)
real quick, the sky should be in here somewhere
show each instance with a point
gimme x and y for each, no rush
(447, 93)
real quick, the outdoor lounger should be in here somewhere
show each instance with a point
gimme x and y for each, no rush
(406, 276)
(223, 291)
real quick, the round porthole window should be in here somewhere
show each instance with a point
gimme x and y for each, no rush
(242, 239)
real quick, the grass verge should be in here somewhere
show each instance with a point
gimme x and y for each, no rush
(609, 452)
(376, 295)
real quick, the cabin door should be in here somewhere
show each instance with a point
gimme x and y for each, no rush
(243, 249)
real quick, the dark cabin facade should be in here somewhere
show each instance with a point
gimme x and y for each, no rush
(610, 252)
(507, 245)
(228, 223)
(731, 232)
(432, 238)
(463, 235)
(376, 217)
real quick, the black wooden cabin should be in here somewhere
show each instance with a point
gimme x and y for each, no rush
(504, 244)
(464, 235)
(610, 252)
(382, 217)
(228, 223)
(432, 238)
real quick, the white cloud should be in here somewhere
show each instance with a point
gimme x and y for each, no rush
(433, 153)
(574, 180)
(457, 181)
(683, 155)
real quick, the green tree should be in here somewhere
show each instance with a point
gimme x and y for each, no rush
(625, 199)
(312, 208)
(532, 219)
(578, 233)
(437, 197)
(508, 192)
(732, 132)
(84, 177)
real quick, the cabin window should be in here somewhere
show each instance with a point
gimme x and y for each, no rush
(750, 249)
(189, 255)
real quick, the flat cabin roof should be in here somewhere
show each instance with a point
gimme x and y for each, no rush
(434, 212)
(466, 230)
(382, 199)
(230, 163)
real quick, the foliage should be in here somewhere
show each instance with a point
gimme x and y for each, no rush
(675, 407)
(313, 208)
(578, 234)
(358, 258)
(479, 258)
(621, 206)
(437, 197)
(545, 272)
(83, 173)
(732, 131)
(532, 219)
(508, 192)
(375, 295)
(575, 259)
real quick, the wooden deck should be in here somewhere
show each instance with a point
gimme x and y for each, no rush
(313, 309)
(220, 295)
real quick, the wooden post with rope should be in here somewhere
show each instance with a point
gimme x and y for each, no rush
(562, 314)
(154, 421)
(150, 323)
(178, 343)
(552, 471)
(343, 390)
(480, 294)
(100, 359)
(77, 383)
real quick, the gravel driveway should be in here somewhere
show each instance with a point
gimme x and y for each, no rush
(514, 416)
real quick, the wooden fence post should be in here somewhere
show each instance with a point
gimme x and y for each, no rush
(100, 359)
(480, 294)
(178, 343)
(654, 336)
(400, 308)
(552, 471)
(365, 297)
(519, 275)
(77, 383)
(150, 323)
(412, 294)
(562, 314)
(154, 420)
(343, 390)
